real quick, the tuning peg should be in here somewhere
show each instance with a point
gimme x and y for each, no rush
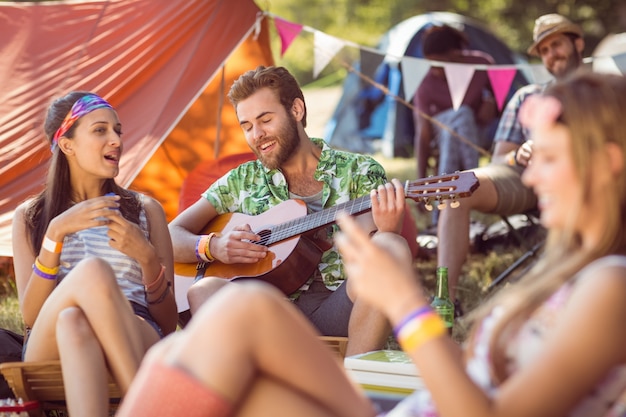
(441, 205)
(455, 203)
(428, 205)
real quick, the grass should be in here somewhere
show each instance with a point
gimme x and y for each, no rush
(10, 316)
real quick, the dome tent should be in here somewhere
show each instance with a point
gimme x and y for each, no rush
(364, 111)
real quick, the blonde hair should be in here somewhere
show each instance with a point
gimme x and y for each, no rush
(592, 110)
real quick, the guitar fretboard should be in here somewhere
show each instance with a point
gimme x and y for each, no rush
(437, 189)
(313, 221)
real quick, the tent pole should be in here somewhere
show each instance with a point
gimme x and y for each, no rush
(218, 128)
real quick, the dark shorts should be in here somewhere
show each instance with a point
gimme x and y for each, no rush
(513, 196)
(329, 311)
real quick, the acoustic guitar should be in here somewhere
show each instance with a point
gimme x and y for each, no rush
(293, 252)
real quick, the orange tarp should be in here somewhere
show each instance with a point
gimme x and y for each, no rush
(163, 64)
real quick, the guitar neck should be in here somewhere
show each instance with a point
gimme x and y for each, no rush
(428, 190)
(316, 220)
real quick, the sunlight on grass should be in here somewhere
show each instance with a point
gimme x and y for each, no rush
(10, 316)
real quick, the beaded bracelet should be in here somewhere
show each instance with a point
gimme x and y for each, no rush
(154, 284)
(51, 246)
(44, 271)
(162, 296)
(420, 330)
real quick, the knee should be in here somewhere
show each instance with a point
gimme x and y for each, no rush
(395, 244)
(91, 280)
(73, 328)
(248, 299)
(97, 271)
(254, 296)
(202, 290)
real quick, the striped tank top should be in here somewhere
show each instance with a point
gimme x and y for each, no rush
(95, 242)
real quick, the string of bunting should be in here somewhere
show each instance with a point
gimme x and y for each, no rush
(459, 76)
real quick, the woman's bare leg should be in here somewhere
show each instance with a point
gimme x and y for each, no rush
(82, 360)
(271, 398)
(249, 340)
(92, 288)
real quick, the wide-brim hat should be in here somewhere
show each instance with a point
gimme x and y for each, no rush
(551, 24)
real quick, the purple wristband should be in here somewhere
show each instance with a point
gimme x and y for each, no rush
(415, 313)
(42, 274)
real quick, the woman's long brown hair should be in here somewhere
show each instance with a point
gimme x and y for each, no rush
(57, 195)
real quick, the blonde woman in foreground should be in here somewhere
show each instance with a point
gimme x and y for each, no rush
(552, 345)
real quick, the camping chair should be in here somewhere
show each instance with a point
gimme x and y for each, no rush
(43, 382)
(532, 251)
(337, 344)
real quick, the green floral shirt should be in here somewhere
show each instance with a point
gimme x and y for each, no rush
(252, 189)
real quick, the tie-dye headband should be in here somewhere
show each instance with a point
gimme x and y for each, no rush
(81, 107)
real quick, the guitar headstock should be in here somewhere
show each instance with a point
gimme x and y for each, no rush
(441, 188)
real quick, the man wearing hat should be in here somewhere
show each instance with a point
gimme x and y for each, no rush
(559, 44)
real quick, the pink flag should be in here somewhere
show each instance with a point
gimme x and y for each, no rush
(501, 80)
(287, 32)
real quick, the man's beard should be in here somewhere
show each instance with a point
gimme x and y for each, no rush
(572, 62)
(287, 141)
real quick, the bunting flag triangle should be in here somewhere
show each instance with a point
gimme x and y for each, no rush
(370, 61)
(325, 47)
(501, 80)
(458, 76)
(620, 61)
(413, 72)
(287, 31)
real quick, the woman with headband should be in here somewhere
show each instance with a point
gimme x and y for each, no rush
(93, 261)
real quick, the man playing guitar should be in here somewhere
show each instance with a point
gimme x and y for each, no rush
(291, 166)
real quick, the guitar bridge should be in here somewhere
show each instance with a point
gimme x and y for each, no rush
(200, 270)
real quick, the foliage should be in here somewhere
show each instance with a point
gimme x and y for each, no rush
(10, 316)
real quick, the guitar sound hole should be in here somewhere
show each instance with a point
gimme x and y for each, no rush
(265, 234)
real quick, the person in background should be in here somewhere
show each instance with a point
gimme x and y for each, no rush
(93, 261)
(432, 99)
(559, 44)
(523, 356)
(272, 113)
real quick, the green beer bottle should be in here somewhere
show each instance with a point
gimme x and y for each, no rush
(441, 302)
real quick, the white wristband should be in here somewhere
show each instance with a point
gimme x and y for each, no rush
(52, 246)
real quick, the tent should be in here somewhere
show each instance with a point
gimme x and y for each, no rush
(165, 65)
(610, 54)
(364, 111)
